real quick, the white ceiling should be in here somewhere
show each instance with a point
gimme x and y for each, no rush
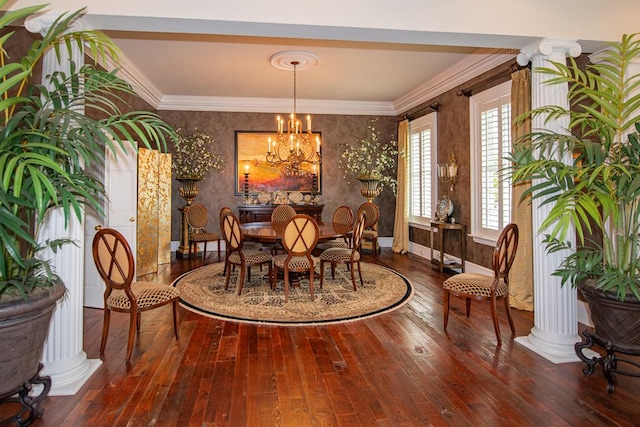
(232, 66)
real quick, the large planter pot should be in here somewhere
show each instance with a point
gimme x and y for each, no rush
(24, 326)
(615, 321)
(371, 187)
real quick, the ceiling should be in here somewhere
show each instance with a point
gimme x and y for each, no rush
(195, 65)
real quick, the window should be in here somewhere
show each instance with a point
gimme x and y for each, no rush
(422, 155)
(490, 143)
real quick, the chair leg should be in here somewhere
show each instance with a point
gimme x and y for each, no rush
(133, 321)
(226, 280)
(138, 317)
(468, 302)
(508, 308)
(494, 316)
(176, 314)
(218, 250)
(241, 279)
(204, 252)
(321, 272)
(333, 271)
(286, 283)
(105, 329)
(374, 246)
(359, 273)
(311, 273)
(353, 277)
(446, 298)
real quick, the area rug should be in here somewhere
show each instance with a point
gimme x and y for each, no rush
(202, 291)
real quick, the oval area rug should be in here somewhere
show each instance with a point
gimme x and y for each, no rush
(202, 291)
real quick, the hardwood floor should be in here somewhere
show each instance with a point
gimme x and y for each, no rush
(398, 369)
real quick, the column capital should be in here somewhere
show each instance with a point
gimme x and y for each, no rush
(41, 23)
(545, 47)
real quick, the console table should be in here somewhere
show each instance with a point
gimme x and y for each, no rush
(262, 213)
(442, 227)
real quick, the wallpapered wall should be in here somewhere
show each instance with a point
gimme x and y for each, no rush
(453, 136)
(218, 189)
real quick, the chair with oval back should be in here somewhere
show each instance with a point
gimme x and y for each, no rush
(114, 260)
(299, 239)
(237, 255)
(342, 218)
(371, 225)
(350, 257)
(482, 287)
(279, 217)
(197, 219)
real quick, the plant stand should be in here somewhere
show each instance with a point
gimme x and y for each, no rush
(29, 403)
(609, 362)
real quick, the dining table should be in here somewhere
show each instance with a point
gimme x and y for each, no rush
(269, 233)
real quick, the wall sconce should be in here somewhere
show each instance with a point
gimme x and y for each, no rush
(448, 172)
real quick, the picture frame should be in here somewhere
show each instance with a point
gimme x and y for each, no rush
(251, 158)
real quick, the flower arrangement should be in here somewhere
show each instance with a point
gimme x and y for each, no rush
(193, 156)
(370, 158)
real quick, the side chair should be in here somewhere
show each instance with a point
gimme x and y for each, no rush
(371, 225)
(299, 239)
(482, 287)
(350, 257)
(236, 254)
(197, 219)
(115, 263)
(342, 219)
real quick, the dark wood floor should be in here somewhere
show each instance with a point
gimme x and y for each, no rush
(398, 369)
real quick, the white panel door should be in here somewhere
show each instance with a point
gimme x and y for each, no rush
(121, 183)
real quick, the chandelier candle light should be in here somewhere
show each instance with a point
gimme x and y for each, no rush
(294, 149)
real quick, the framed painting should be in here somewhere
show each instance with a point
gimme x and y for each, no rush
(251, 159)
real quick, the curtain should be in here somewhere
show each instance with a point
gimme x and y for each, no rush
(401, 225)
(521, 275)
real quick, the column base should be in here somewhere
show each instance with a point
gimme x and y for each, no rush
(553, 347)
(68, 376)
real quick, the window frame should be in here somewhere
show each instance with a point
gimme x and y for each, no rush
(429, 121)
(476, 102)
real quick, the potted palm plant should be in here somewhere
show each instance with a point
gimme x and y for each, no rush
(598, 191)
(47, 147)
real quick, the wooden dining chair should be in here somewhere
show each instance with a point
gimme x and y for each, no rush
(299, 239)
(350, 257)
(197, 219)
(115, 263)
(371, 225)
(236, 254)
(279, 217)
(483, 287)
(246, 245)
(342, 217)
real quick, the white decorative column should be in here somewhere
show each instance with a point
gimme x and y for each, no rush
(555, 329)
(63, 356)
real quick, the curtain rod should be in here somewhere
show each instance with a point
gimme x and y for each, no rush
(422, 111)
(512, 69)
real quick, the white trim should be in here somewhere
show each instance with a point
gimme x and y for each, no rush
(459, 73)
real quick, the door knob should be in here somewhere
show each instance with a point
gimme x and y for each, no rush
(132, 219)
(98, 227)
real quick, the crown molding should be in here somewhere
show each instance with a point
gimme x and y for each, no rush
(275, 105)
(459, 73)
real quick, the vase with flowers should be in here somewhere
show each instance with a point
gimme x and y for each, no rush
(371, 159)
(193, 159)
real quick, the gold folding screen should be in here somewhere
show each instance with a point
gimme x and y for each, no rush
(154, 210)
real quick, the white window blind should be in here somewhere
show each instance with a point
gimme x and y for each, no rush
(490, 143)
(422, 147)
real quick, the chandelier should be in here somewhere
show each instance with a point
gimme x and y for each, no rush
(293, 150)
